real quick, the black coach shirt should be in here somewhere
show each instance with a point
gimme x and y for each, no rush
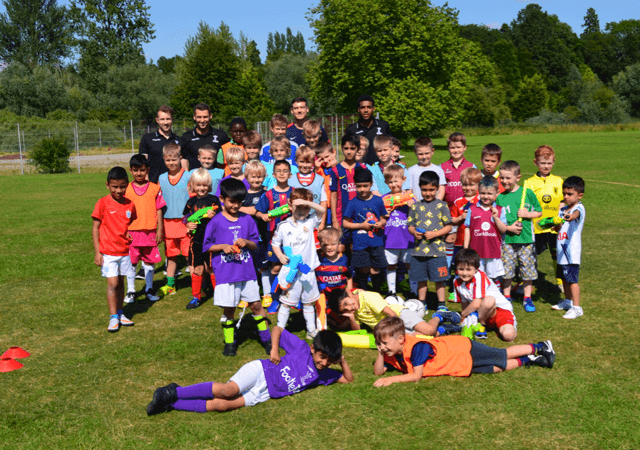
(194, 140)
(151, 144)
(378, 127)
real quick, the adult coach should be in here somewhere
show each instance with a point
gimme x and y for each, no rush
(202, 134)
(300, 112)
(367, 126)
(151, 144)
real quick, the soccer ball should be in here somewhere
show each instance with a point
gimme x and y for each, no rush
(417, 306)
(394, 300)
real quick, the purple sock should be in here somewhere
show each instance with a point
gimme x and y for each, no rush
(264, 335)
(200, 390)
(199, 406)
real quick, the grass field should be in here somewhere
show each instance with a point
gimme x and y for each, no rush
(84, 388)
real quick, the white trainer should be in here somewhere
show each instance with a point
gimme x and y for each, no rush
(573, 313)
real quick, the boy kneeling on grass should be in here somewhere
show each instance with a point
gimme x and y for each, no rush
(419, 356)
(258, 381)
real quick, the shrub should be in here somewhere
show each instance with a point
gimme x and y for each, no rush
(51, 155)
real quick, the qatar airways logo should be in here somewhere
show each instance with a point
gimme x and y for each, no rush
(349, 187)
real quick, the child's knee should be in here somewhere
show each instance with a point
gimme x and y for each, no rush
(508, 333)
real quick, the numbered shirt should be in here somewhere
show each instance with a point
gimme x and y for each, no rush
(570, 236)
(510, 202)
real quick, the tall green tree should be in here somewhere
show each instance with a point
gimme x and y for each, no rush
(483, 35)
(591, 23)
(286, 79)
(168, 65)
(34, 32)
(505, 57)
(627, 85)
(530, 98)
(279, 44)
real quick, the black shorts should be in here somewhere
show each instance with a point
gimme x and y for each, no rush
(570, 272)
(428, 268)
(547, 240)
(196, 257)
(369, 257)
(484, 358)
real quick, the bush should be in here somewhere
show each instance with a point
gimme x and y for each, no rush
(51, 155)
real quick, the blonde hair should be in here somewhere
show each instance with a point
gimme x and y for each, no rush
(381, 141)
(281, 142)
(252, 139)
(170, 149)
(471, 175)
(387, 327)
(311, 128)
(234, 154)
(394, 170)
(305, 153)
(278, 120)
(208, 148)
(330, 233)
(200, 176)
(256, 168)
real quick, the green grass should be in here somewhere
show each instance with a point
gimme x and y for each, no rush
(85, 388)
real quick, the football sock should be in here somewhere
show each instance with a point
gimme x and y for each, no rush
(309, 312)
(119, 313)
(199, 406)
(361, 280)
(228, 331)
(283, 315)
(149, 270)
(414, 287)
(442, 305)
(113, 316)
(265, 280)
(200, 390)
(131, 282)
(261, 323)
(391, 280)
(213, 281)
(524, 361)
(196, 285)
(376, 281)
(535, 348)
(171, 281)
(508, 297)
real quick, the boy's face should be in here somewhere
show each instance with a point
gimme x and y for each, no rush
(312, 139)
(279, 130)
(490, 163)
(230, 205)
(164, 121)
(237, 132)
(117, 188)
(320, 360)
(236, 167)
(384, 154)
(424, 155)
(363, 190)
(428, 192)
(202, 119)
(349, 305)
(201, 189)
(362, 151)
(469, 189)
(456, 150)
(391, 345)
(366, 110)
(172, 162)
(571, 196)
(487, 196)
(305, 167)
(139, 174)
(349, 150)
(206, 159)
(509, 180)
(255, 180)
(327, 158)
(252, 152)
(545, 165)
(299, 110)
(299, 212)
(395, 184)
(279, 152)
(329, 247)
(395, 152)
(282, 174)
(466, 272)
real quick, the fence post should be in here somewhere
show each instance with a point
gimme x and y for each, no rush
(132, 150)
(20, 150)
(77, 145)
(100, 136)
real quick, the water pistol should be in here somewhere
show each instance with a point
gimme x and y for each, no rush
(279, 211)
(295, 265)
(397, 200)
(197, 216)
(550, 222)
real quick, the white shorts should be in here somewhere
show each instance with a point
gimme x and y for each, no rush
(394, 255)
(113, 266)
(228, 295)
(304, 289)
(252, 383)
(493, 267)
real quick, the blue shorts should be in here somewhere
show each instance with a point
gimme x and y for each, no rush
(428, 268)
(259, 256)
(369, 257)
(570, 272)
(271, 257)
(484, 358)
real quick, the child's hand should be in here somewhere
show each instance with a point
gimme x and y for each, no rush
(240, 243)
(366, 226)
(523, 213)
(274, 357)
(265, 217)
(98, 259)
(378, 225)
(283, 260)
(494, 212)
(418, 236)
(128, 236)
(228, 249)
(159, 236)
(211, 213)
(191, 226)
(299, 202)
(429, 235)
(380, 382)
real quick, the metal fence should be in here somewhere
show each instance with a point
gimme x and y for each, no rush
(101, 144)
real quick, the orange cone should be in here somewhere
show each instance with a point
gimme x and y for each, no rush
(8, 364)
(15, 353)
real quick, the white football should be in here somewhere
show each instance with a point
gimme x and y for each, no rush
(417, 306)
(394, 300)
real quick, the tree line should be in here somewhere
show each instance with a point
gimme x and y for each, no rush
(426, 71)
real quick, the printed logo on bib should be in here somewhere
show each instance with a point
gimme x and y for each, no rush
(546, 198)
(485, 226)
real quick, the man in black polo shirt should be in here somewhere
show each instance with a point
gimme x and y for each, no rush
(367, 126)
(151, 144)
(300, 111)
(201, 135)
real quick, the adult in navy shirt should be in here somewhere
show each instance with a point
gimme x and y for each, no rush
(368, 126)
(300, 112)
(202, 134)
(151, 144)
